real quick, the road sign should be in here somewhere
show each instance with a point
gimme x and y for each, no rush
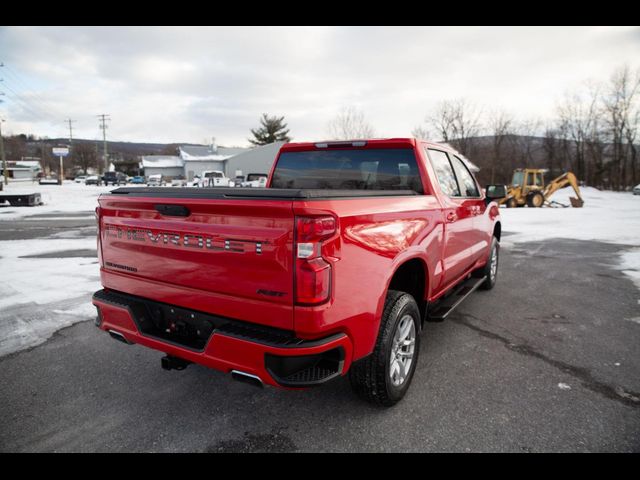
(60, 151)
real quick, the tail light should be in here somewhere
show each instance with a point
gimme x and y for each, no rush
(313, 273)
(97, 216)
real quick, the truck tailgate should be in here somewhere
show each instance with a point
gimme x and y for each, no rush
(236, 253)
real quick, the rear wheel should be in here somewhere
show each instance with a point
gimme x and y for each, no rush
(535, 200)
(384, 376)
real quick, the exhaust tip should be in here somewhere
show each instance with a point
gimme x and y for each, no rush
(120, 337)
(246, 378)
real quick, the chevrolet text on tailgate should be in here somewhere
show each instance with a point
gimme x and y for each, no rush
(331, 269)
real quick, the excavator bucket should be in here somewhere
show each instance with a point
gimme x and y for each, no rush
(576, 202)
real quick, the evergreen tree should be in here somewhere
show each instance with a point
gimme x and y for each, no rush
(272, 129)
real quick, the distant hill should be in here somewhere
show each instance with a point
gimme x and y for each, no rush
(125, 148)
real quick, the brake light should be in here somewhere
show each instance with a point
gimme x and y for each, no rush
(313, 273)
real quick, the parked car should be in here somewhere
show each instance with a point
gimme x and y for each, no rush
(137, 180)
(80, 179)
(636, 190)
(179, 182)
(49, 181)
(330, 270)
(213, 178)
(92, 180)
(114, 178)
(156, 180)
(256, 180)
(237, 181)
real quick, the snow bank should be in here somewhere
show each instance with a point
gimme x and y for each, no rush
(630, 265)
(612, 217)
(39, 296)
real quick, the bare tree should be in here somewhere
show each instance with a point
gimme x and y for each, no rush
(85, 156)
(457, 122)
(525, 143)
(578, 112)
(350, 123)
(620, 104)
(500, 126)
(421, 132)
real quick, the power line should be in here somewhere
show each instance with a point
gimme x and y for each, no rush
(44, 105)
(23, 105)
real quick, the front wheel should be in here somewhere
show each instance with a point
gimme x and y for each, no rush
(383, 377)
(490, 270)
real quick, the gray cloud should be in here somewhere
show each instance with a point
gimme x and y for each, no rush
(187, 84)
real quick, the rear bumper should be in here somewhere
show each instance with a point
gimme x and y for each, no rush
(275, 356)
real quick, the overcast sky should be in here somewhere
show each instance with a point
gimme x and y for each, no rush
(187, 84)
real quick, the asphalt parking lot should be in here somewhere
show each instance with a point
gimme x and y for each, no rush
(547, 361)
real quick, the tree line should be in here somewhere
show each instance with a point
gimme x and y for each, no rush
(593, 132)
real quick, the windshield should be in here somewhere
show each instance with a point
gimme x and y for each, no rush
(367, 169)
(213, 175)
(518, 177)
(255, 176)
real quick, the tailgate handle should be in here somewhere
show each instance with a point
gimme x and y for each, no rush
(173, 210)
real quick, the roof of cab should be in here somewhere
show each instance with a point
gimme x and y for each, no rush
(355, 143)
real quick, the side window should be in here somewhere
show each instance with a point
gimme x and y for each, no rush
(465, 179)
(444, 172)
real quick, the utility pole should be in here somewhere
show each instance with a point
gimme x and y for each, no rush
(4, 159)
(69, 121)
(104, 118)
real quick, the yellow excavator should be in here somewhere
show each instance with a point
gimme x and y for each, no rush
(528, 188)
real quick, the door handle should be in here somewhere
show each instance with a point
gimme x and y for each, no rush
(451, 217)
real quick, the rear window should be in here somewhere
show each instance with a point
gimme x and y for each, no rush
(371, 169)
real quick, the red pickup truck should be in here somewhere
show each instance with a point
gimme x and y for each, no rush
(331, 269)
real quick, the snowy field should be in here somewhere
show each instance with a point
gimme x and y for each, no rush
(38, 296)
(611, 217)
(69, 198)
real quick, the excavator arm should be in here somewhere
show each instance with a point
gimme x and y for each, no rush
(562, 181)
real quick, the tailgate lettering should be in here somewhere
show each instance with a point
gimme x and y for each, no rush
(187, 240)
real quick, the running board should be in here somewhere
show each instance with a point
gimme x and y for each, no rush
(450, 303)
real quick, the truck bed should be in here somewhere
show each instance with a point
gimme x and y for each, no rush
(221, 193)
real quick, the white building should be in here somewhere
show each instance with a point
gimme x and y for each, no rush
(21, 169)
(167, 165)
(192, 160)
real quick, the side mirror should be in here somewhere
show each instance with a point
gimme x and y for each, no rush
(495, 192)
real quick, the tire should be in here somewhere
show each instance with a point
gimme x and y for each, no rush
(372, 378)
(535, 200)
(512, 203)
(487, 271)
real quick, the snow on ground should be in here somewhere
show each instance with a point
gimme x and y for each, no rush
(612, 217)
(39, 296)
(70, 197)
(45, 280)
